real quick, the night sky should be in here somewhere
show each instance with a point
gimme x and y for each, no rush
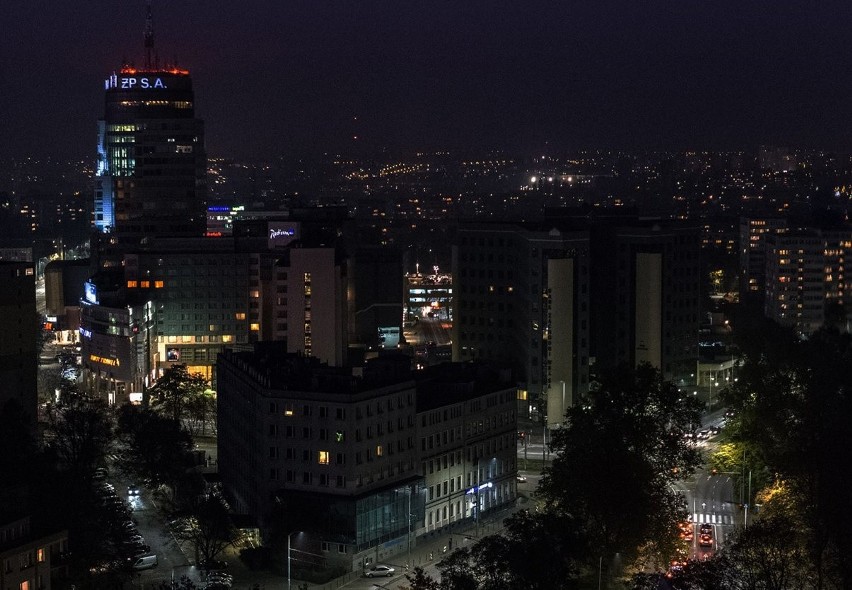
(289, 77)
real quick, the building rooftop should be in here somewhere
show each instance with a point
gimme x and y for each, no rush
(275, 368)
(450, 383)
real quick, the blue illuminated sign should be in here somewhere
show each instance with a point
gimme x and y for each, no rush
(280, 233)
(484, 486)
(91, 293)
(133, 82)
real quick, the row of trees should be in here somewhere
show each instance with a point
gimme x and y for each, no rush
(148, 444)
(791, 432)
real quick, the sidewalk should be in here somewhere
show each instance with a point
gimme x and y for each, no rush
(432, 548)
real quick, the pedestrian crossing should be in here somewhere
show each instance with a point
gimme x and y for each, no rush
(711, 518)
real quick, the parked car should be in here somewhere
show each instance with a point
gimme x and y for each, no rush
(218, 577)
(379, 570)
(144, 562)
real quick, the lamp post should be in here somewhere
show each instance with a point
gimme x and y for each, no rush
(288, 557)
(477, 507)
(600, 571)
(710, 398)
(409, 525)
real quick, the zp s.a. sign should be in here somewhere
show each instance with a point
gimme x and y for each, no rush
(134, 82)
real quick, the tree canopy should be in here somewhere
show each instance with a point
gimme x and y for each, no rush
(793, 408)
(156, 447)
(607, 496)
(615, 460)
(181, 394)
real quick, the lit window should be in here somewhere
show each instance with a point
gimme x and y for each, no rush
(288, 410)
(25, 585)
(145, 284)
(132, 284)
(40, 554)
(227, 338)
(338, 436)
(255, 294)
(323, 458)
(159, 284)
(255, 327)
(240, 315)
(379, 450)
(522, 394)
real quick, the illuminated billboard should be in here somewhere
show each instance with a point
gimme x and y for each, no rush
(280, 233)
(91, 293)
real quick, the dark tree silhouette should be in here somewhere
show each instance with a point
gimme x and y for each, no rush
(615, 460)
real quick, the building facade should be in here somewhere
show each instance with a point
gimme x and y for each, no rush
(169, 301)
(326, 450)
(522, 299)
(29, 561)
(467, 433)
(19, 324)
(646, 295)
(151, 168)
(345, 454)
(806, 281)
(754, 231)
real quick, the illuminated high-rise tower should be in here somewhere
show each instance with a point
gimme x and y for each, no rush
(150, 177)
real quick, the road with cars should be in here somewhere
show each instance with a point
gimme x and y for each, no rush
(711, 500)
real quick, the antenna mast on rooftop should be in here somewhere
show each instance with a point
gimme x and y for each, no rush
(149, 38)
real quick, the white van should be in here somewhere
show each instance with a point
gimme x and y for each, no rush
(145, 562)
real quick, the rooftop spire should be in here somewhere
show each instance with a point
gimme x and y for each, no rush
(149, 38)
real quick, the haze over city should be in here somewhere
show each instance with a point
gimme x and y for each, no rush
(284, 78)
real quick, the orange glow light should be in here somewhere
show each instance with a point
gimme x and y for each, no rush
(131, 71)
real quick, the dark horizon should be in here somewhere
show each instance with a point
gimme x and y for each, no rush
(303, 78)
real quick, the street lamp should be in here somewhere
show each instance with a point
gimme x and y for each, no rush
(710, 398)
(477, 507)
(289, 559)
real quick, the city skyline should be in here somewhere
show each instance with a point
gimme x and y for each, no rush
(537, 76)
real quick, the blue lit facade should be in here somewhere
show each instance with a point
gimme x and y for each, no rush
(151, 167)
